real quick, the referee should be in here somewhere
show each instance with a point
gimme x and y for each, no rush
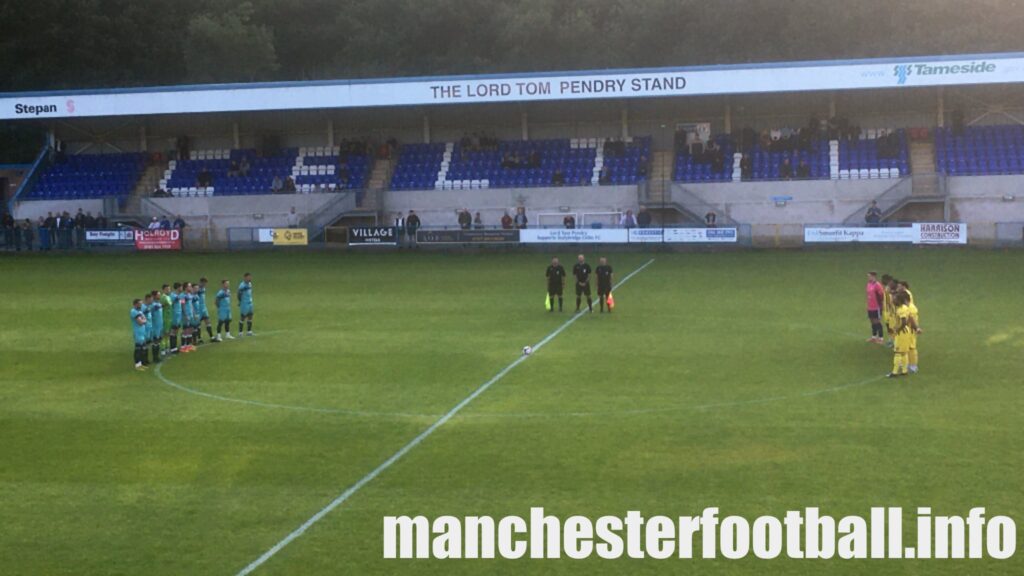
(556, 283)
(604, 282)
(582, 273)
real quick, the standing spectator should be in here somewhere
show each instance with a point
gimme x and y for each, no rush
(465, 220)
(26, 234)
(478, 222)
(179, 223)
(506, 221)
(873, 217)
(44, 235)
(412, 224)
(165, 223)
(80, 229)
(243, 166)
(521, 221)
(399, 224)
(711, 219)
(17, 235)
(628, 220)
(154, 223)
(90, 221)
(8, 222)
(643, 218)
(569, 222)
(101, 221)
(293, 218)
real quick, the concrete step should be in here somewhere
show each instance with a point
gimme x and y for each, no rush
(381, 175)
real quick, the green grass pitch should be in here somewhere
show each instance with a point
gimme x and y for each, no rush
(739, 380)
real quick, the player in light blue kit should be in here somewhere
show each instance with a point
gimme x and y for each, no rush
(245, 305)
(186, 317)
(138, 318)
(223, 302)
(156, 309)
(197, 315)
(177, 317)
(147, 310)
(204, 312)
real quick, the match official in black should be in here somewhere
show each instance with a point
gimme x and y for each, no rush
(582, 273)
(604, 274)
(556, 283)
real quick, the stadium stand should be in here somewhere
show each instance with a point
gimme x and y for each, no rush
(89, 176)
(522, 164)
(311, 169)
(881, 153)
(980, 150)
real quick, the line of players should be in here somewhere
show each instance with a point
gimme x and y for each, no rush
(581, 272)
(180, 312)
(890, 302)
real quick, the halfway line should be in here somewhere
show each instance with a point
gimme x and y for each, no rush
(414, 442)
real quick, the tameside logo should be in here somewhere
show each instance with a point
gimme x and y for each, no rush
(904, 71)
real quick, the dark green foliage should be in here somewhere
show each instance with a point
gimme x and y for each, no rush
(50, 44)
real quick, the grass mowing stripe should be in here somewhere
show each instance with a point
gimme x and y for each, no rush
(414, 442)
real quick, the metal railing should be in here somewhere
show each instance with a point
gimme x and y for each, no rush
(41, 162)
(888, 202)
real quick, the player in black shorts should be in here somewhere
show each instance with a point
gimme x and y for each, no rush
(582, 273)
(556, 283)
(604, 282)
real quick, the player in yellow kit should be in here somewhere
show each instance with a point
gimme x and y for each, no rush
(902, 336)
(916, 326)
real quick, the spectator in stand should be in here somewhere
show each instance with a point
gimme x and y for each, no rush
(606, 175)
(289, 185)
(90, 221)
(746, 167)
(643, 218)
(154, 224)
(628, 220)
(233, 170)
(803, 171)
(711, 219)
(26, 234)
(165, 223)
(243, 167)
(8, 222)
(521, 221)
(204, 178)
(412, 224)
(292, 218)
(569, 222)
(101, 221)
(506, 221)
(465, 219)
(478, 222)
(276, 185)
(786, 169)
(558, 179)
(641, 167)
(873, 217)
(179, 223)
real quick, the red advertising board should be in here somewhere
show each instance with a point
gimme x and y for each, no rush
(158, 239)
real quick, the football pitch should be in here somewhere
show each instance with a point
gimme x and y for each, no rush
(740, 380)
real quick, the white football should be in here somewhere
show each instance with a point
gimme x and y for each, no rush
(527, 350)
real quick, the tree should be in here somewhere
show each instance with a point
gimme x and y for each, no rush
(229, 47)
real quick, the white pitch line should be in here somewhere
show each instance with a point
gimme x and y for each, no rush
(414, 442)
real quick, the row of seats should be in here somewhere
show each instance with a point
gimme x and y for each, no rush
(309, 168)
(980, 150)
(521, 163)
(90, 176)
